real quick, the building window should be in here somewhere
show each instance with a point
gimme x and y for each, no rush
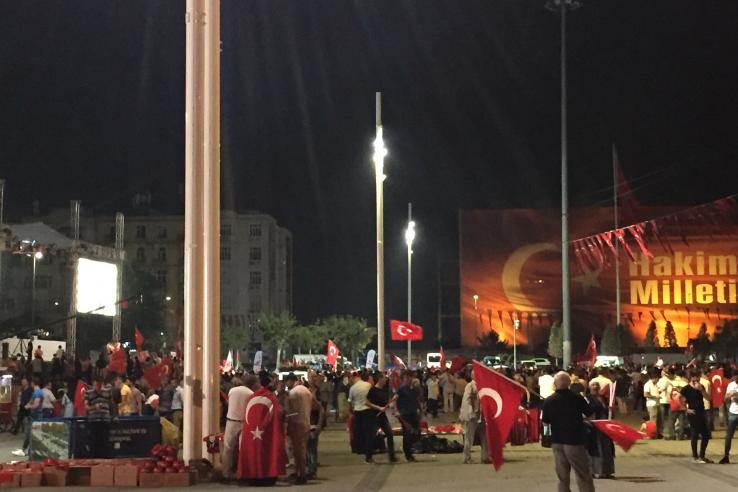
(140, 232)
(255, 306)
(140, 254)
(225, 253)
(162, 254)
(161, 276)
(226, 230)
(255, 255)
(162, 234)
(255, 279)
(255, 230)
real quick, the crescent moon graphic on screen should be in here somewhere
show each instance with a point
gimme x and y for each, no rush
(259, 400)
(489, 392)
(402, 330)
(511, 274)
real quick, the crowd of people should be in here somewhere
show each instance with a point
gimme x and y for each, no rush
(674, 400)
(78, 387)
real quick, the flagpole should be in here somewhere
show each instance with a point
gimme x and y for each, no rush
(409, 237)
(617, 243)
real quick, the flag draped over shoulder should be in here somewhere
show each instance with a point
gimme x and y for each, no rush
(262, 450)
(499, 399)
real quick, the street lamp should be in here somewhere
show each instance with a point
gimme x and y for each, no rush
(380, 152)
(516, 326)
(36, 256)
(476, 313)
(562, 6)
(409, 238)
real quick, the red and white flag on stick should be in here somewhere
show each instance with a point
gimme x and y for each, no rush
(332, 354)
(499, 399)
(621, 434)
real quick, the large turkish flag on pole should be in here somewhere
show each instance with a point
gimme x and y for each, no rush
(499, 399)
(621, 434)
(404, 330)
(717, 381)
(262, 452)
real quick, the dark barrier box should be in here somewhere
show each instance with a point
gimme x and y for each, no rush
(125, 437)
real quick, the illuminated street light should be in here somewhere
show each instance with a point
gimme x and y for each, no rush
(39, 255)
(380, 152)
(409, 238)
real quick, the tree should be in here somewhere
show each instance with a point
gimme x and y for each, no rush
(610, 344)
(670, 335)
(701, 345)
(652, 336)
(352, 335)
(556, 341)
(725, 341)
(309, 339)
(625, 338)
(278, 329)
(235, 338)
(490, 342)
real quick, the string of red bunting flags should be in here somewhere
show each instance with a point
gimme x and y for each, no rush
(593, 252)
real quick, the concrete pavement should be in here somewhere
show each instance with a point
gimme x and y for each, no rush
(650, 465)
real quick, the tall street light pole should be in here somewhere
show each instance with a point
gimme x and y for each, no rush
(36, 256)
(562, 6)
(380, 152)
(409, 238)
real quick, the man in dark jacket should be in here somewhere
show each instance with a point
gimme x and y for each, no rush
(408, 406)
(565, 412)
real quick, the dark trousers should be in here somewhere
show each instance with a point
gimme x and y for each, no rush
(410, 433)
(432, 407)
(365, 431)
(699, 425)
(383, 423)
(732, 424)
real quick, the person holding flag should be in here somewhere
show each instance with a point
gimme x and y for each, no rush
(564, 411)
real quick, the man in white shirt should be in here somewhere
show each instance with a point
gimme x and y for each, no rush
(665, 386)
(731, 400)
(433, 393)
(546, 384)
(652, 395)
(234, 423)
(177, 415)
(48, 402)
(364, 416)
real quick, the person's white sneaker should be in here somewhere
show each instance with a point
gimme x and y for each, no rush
(19, 453)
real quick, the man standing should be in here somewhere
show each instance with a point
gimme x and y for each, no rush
(363, 422)
(47, 404)
(665, 387)
(652, 395)
(448, 384)
(177, 416)
(564, 411)
(378, 400)
(731, 399)
(34, 407)
(98, 399)
(126, 395)
(469, 417)
(694, 395)
(433, 394)
(408, 406)
(300, 401)
(234, 423)
(546, 383)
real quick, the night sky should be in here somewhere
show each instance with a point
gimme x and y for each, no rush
(93, 106)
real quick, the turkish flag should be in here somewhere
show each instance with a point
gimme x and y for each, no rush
(458, 363)
(138, 337)
(332, 355)
(118, 362)
(262, 452)
(499, 399)
(153, 375)
(718, 383)
(79, 399)
(404, 330)
(621, 434)
(443, 359)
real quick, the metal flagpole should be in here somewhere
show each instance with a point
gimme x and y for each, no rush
(409, 237)
(617, 244)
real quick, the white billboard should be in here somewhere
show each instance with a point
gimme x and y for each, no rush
(97, 287)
